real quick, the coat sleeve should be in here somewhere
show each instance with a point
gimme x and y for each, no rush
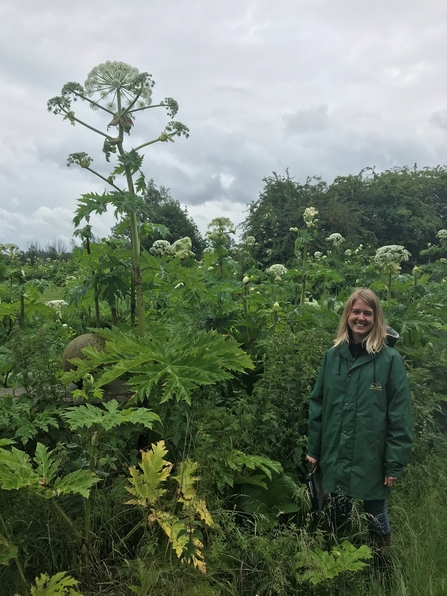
(399, 436)
(315, 414)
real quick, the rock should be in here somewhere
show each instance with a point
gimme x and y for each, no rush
(75, 347)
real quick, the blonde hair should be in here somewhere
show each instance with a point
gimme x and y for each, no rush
(375, 340)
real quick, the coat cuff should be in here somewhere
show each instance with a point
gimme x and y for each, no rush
(393, 469)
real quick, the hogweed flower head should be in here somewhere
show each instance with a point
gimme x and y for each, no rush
(181, 248)
(277, 271)
(390, 256)
(336, 239)
(309, 216)
(112, 77)
(160, 248)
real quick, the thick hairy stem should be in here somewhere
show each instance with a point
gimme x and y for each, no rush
(135, 240)
(25, 588)
(303, 279)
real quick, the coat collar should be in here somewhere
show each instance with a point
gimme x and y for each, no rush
(344, 351)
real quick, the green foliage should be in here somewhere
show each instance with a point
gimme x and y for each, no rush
(40, 474)
(60, 584)
(108, 417)
(148, 487)
(237, 467)
(21, 420)
(7, 551)
(323, 565)
(176, 362)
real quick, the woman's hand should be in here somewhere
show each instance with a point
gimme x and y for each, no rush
(312, 460)
(389, 480)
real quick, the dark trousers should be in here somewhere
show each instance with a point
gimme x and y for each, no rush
(376, 512)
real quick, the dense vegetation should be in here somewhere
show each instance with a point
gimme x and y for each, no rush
(194, 483)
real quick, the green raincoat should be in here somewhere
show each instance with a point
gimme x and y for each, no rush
(360, 423)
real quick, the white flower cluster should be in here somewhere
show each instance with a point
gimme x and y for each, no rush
(277, 271)
(318, 254)
(442, 234)
(348, 252)
(160, 248)
(309, 216)
(57, 305)
(336, 239)
(107, 78)
(250, 241)
(181, 248)
(391, 254)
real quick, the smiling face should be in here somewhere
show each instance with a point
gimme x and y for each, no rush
(360, 320)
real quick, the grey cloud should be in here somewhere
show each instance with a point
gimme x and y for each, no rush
(312, 119)
(439, 119)
(253, 79)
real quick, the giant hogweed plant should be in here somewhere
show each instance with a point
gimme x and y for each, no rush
(120, 92)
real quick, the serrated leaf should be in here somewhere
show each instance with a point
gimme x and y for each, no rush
(77, 482)
(16, 470)
(109, 416)
(147, 484)
(46, 468)
(177, 361)
(59, 584)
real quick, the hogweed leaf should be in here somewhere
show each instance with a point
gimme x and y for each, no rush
(108, 417)
(177, 361)
(147, 484)
(16, 470)
(77, 482)
(46, 468)
(59, 584)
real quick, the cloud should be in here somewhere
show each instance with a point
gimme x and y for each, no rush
(312, 119)
(316, 86)
(439, 119)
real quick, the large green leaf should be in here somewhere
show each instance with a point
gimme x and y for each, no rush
(177, 361)
(79, 482)
(18, 471)
(109, 416)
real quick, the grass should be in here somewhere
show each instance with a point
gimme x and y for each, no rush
(54, 293)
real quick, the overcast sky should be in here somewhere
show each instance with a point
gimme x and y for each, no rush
(321, 87)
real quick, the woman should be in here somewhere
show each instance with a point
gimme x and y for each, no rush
(360, 425)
